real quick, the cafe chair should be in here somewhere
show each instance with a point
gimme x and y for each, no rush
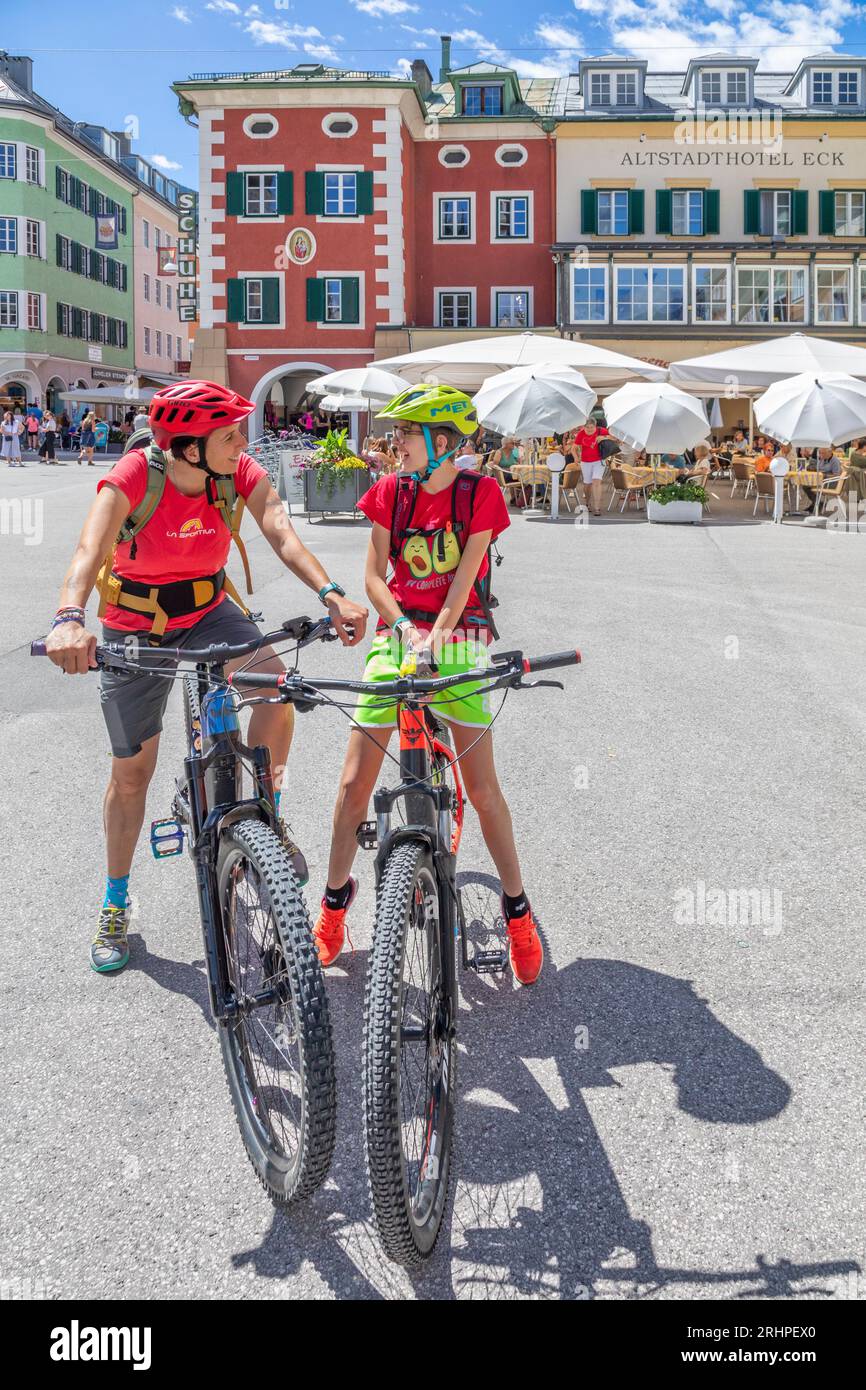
(765, 491)
(833, 487)
(742, 471)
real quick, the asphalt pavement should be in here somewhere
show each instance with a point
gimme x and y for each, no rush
(673, 1111)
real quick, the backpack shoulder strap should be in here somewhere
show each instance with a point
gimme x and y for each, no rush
(463, 500)
(405, 497)
(141, 515)
(223, 495)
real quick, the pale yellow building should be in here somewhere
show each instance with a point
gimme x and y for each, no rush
(702, 209)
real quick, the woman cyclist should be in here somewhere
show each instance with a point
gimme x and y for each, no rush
(177, 558)
(431, 605)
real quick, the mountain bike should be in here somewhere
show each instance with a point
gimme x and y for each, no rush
(265, 984)
(410, 1008)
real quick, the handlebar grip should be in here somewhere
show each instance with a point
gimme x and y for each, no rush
(547, 663)
(38, 648)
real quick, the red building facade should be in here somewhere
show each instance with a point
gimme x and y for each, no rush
(348, 216)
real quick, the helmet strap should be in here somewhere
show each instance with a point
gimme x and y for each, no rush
(432, 461)
(202, 464)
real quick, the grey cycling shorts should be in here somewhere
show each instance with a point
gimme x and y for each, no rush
(133, 702)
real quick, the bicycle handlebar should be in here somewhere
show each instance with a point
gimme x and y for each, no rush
(505, 668)
(301, 630)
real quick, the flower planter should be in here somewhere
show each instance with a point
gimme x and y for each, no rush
(687, 513)
(344, 497)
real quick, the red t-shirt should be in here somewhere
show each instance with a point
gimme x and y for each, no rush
(588, 444)
(421, 576)
(186, 538)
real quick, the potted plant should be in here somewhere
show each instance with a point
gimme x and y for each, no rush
(683, 502)
(335, 477)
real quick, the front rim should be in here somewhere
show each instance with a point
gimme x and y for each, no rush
(264, 1035)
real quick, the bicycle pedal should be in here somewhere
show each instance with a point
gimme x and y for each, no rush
(367, 835)
(489, 962)
(166, 838)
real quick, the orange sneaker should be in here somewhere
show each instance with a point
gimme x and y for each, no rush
(525, 951)
(330, 928)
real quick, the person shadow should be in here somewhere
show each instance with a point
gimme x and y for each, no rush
(536, 1209)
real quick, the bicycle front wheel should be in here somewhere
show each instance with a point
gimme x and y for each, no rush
(410, 1058)
(277, 1050)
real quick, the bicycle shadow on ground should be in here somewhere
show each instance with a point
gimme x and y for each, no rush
(537, 1210)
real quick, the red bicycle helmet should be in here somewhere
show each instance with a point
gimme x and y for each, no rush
(195, 408)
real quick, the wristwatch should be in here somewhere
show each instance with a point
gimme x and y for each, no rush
(331, 588)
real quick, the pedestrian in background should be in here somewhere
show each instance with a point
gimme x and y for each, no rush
(11, 430)
(32, 423)
(65, 430)
(87, 442)
(49, 433)
(140, 422)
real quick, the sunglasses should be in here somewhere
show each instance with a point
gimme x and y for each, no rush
(400, 434)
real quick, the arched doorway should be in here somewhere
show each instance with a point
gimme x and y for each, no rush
(281, 392)
(13, 395)
(52, 390)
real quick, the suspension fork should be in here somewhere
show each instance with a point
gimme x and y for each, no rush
(203, 839)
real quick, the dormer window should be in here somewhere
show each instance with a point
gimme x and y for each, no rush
(613, 89)
(719, 86)
(835, 87)
(482, 99)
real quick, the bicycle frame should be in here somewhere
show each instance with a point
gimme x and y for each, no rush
(213, 764)
(434, 814)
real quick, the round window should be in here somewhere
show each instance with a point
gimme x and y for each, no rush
(451, 155)
(511, 155)
(339, 125)
(261, 125)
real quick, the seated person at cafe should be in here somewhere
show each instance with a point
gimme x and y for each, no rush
(857, 469)
(506, 457)
(686, 471)
(827, 464)
(379, 455)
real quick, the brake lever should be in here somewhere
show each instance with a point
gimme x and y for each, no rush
(534, 685)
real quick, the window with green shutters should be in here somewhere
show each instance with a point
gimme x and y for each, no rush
(334, 299)
(611, 212)
(780, 212)
(254, 299)
(842, 212)
(343, 194)
(260, 194)
(687, 211)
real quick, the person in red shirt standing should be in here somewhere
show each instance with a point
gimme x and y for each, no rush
(432, 604)
(591, 462)
(196, 430)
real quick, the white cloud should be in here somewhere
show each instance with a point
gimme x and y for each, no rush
(163, 162)
(384, 7)
(263, 31)
(420, 33)
(559, 37)
(223, 7)
(402, 69)
(322, 52)
(180, 14)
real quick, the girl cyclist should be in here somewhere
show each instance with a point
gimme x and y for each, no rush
(431, 603)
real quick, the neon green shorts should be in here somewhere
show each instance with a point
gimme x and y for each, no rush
(463, 704)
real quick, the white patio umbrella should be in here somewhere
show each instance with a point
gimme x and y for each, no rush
(470, 362)
(343, 403)
(537, 399)
(371, 382)
(755, 366)
(810, 410)
(656, 416)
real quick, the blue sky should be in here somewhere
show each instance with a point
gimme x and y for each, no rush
(118, 72)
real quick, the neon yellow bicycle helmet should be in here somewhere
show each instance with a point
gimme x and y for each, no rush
(431, 404)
